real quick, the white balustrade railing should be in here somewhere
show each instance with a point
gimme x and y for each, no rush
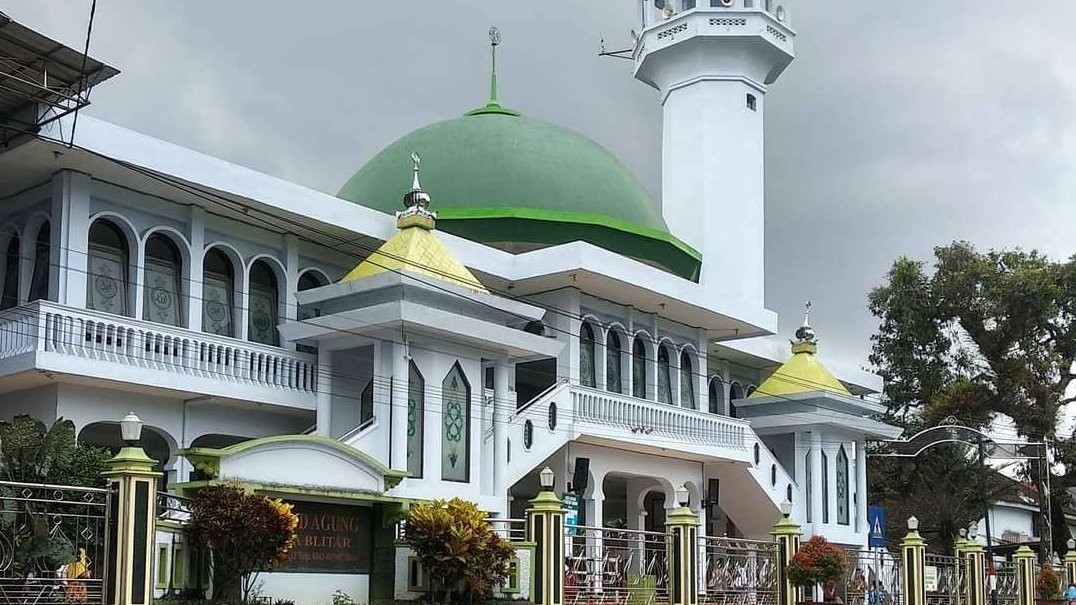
(648, 418)
(47, 326)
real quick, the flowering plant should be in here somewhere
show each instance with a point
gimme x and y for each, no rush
(817, 562)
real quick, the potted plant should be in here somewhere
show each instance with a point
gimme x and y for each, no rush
(1048, 586)
(818, 562)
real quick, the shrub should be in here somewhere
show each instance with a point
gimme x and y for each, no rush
(342, 598)
(458, 548)
(245, 534)
(1048, 583)
(817, 562)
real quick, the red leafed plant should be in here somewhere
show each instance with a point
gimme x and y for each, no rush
(817, 562)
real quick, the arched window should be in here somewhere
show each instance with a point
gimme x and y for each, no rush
(717, 396)
(108, 267)
(807, 482)
(456, 426)
(613, 356)
(416, 407)
(39, 279)
(309, 281)
(164, 272)
(587, 376)
(10, 297)
(842, 487)
(735, 393)
(218, 294)
(687, 5)
(264, 300)
(687, 381)
(664, 376)
(638, 368)
(769, 5)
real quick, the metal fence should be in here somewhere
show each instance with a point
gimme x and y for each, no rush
(946, 579)
(616, 566)
(872, 578)
(181, 569)
(52, 543)
(1003, 587)
(737, 571)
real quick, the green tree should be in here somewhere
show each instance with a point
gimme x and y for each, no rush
(462, 555)
(984, 334)
(245, 533)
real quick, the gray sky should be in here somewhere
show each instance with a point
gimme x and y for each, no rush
(901, 125)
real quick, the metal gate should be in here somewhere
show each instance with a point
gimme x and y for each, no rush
(872, 578)
(946, 579)
(739, 572)
(616, 566)
(52, 543)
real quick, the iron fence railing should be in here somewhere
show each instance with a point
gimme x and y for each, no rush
(738, 571)
(52, 543)
(945, 579)
(872, 578)
(616, 566)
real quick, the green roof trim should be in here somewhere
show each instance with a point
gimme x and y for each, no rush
(496, 176)
(509, 223)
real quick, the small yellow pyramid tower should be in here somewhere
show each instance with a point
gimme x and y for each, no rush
(415, 248)
(803, 373)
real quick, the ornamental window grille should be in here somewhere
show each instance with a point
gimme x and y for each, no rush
(218, 294)
(455, 429)
(308, 281)
(717, 396)
(262, 305)
(664, 376)
(613, 358)
(638, 368)
(687, 381)
(39, 279)
(108, 269)
(416, 408)
(842, 487)
(587, 374)
(10, 297)
(163, 281)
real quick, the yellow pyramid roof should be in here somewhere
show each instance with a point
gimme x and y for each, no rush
(416, 249)
(803, 373)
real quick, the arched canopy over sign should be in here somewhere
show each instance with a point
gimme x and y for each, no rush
(954, 432)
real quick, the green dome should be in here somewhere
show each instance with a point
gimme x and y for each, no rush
(500, 178)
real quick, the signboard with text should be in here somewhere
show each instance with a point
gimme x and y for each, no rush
(332, 538)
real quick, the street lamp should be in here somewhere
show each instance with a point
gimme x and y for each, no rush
(786, 509)
(545, 479)
(131, 429)
(913, 523)
(682, 495)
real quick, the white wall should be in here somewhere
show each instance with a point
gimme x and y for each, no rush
(314, 588)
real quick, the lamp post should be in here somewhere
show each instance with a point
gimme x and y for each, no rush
(545, 527)
(546, 479)
(133, 483)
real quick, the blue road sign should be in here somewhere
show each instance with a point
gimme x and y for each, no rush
(876, 523)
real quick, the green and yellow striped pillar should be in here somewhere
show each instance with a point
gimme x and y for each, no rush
(683, 528)
(913, 558)
(132, 524)
(545, 528)
(1025, 576)
(787, 536)
(974, 556)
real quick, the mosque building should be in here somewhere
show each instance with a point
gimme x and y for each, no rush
(487, 296)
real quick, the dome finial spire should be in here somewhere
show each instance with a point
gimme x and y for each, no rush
(416, 203)
(806, 339)
(494, 42)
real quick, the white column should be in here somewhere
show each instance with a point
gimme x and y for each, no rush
(398, 408)
(195, 273)
(861, 487)
(70, 216)
(291, 277)
(816, 479)
(325, 387)
(502, 403)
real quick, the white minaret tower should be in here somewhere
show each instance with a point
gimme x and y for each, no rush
(712, 60)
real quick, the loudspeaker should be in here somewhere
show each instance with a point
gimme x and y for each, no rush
(581, 476)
